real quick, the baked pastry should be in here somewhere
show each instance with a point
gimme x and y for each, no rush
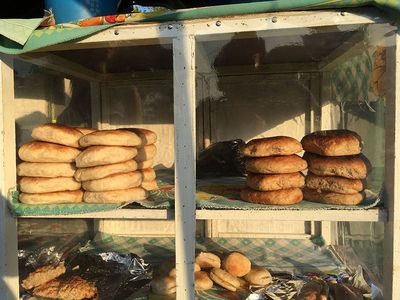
(334, 184)
(104, 155)
(31, 169)
(110, 138)
(150, 185)
(202, 281)
(279, 197)
(48, 185)
(224, 279)
(147, 136)
(85, 130)
(164, 285)
(173, 270)
(332, 198)
(145, 164)
(148, 174)
(275, 164)
(338, 142)
(258, 276)
(91, 173)
(271, 146)
(146, 153)
(58, 134)
(47, 152)
(118, 196)
(273, 182)
(236, 264)
(52, 198)
(352, 167)
(114, 182)
(42, 275)
(208, 260)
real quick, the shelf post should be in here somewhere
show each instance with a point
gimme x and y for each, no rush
(185, 157)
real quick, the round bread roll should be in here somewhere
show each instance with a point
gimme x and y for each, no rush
(118, 196)
(279, 197)
(85, 130)
(277, 145)
(148, 174)
(163, 286)
(149, 185)
(104, 155)
(334, 184)
(147, 136)
(146, 153)
(338, 142)
(208, 260)
(47, 152)
(46, 169)
(110, 138)
(352, 167)
(52, 198)
(273, 182)
(58, 134)
(145, 164)
(258, 276)
(276, 164)
(173, 270)
(236, 264)
(34, 185)
(224, 279)
(332, 198)
(114, 182)
(91, 173)
(202, 281)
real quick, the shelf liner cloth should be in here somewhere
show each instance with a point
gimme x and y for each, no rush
(295, 256)
(21, 39)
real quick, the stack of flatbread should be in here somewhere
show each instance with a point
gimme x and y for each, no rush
(46, 173)
(107, 167)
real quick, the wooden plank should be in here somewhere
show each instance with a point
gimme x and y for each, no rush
(9, 284)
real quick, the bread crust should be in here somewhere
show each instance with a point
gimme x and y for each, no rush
(148, 174)
(146, 153)
(338, 142)
(273, 182)
(352, 167)
(46, 169)
(145, 164)
(104, 155)
(117, 196)
(58, 134)
(224, 279)
(85, 130)
(114, 182)
(332, 198)
(47, 152)
(271, 146)
(150, 185)
(258, 276)
(334, 184)
(236, 264)
(202, 281)
(42, 275)
(34, 185)
(91, 173)
(114, 137)
(279, 197)
(208, 260)
(276, 164)
(52, 198)
(147, 136)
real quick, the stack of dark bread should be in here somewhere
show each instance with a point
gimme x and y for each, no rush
(233, 272)
(46, 174)
(274, 171)
(336, 167)
(107, 168)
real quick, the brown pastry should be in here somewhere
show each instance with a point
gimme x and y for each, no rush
(110, 138)
(47, 152)
(114, 182)
(91, 173)
(273, 182)
(258, 276)
(117, 196)
(52, 198)
(202, 281)
(334, 184)
(277, 145)
(236, 264)
(147, 136)
(42, 275)
(208, 260)
(279, 197)
(104, 155)
(58, 134)
(332, 198)
(276, 164)
(224, 279)
(47, 185)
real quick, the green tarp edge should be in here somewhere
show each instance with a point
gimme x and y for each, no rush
(47, 37)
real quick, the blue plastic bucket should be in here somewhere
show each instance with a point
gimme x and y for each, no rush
(71, 10)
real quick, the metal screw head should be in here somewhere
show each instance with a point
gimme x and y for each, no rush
(218, 23)
(116, 32)
(274, 19)
(170, 26)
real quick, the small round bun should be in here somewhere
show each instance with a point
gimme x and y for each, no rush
(338, 142)
(114, 182)
(208, 260)
(52, 198)
(276, 164)
(202, 281)
(47, 152)
(34, 185)
(46, 169)
(333, 198)
(58, 134)
(118, 196)
(236, 264)
(279, 197)
(271, 146)
(104, 155)
(273, 182)
(258, 276)
(164, 285)
(224, 279)
(334, 184)
(91, 173)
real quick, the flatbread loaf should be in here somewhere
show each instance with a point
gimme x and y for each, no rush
(148, 174)
(47, 152)
(277, 145)
(47, 185)
(58, 134)
(275, 164)
(149, 185)
(334, 184)
(110, 138)
(91, 173)
(339, 142)
(273, 182)
(145, 164)
(104, 155)
(85, 130)
(147, 136)
(46, 169)
(146, 153)
(52, 198)
(114, 182)
(118, 196)
(279, 197)
(333, 198)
